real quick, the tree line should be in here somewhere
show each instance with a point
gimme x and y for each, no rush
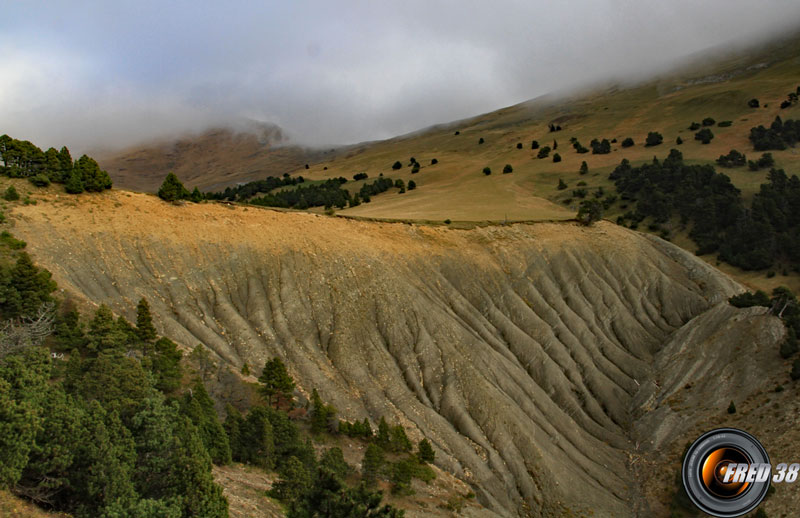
(22, 159)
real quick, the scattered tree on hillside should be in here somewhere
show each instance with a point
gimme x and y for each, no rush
(627, 142)
(487, 170)
(584, 168)
(11, 194)
(589, 212)
(397, 165)
(480, 140)
(544, 152)
(172, 189)
(534, 144)
(561, 184)
(708, 121)
(753, 103)
(654, 138)
(508, 169)
(556, 157)
(732, 159)
(704, 135)
(275, 381)
(764, 162)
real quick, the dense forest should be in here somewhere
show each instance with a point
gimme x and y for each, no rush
(22, 159)
(751, 238)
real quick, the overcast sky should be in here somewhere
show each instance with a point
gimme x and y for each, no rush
(90, 74)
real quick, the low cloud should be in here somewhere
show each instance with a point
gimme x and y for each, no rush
(101, 74)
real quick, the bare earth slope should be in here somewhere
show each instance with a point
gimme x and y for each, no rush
(538, 359)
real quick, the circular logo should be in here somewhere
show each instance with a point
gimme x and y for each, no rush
(721, 472)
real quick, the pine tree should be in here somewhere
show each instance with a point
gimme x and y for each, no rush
(275, 380)
(399, 440)
(333, 460)
(172, 189)
(425, 452)
(198, 406)
(321, 414)
(74, 184)
(203, 360)
(165, 364)
(584, 168)
(294, 483)
(11, 194)
(94, 179)
(145, 330)
(372, 464)
(383, 438)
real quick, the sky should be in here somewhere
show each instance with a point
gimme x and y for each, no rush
(103, 74)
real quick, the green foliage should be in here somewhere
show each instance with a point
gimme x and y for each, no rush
(40, 180)
(600, 147)
(789, 346)
(534, 144)
(425, 452)
(519, 145)
(747, 299)
(508, 169)
(397, 165)
(584, 168)
(704, 135)
(94, 179)
(172, 189)
(322, 415)
(415, 168)
(544, 152)
(434, 161)
(627, 142)
(330, 498)
(11, 194)
(732, 159)
(362, 176)
(708, 121)
(480, 140)
(678, 141)
(556, 157)
(294, 483)
(487, 170)
(275, 380)
(356, 429)
(332, 460)
(654, 138)
(145, 330)
(198, 406)
(732, 408)
(398, 440)
(753, 103)
(763, 162)
(412, 185)
(245, 191)
(74, 183)
(778, 136)
(725, 124)
(196, 195)
(694, 126)
(203, 361)
(561, 184)
(580, 193)
(589, 212)
(372, 464)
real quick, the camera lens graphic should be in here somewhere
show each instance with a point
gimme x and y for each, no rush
(707, 462)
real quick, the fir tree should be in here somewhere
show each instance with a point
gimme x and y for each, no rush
(172, 189)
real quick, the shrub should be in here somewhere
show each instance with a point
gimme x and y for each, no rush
(795, 374)
(694, 126)
(763, 162)
(360, 176)
(447, 221)
(679, 141)
(708, 121)
(556, 157)
(172, 189)
(11, 194)
(584, 168)
(654, 138)
(753, 103)
(519, 145)
(508, 169)
(600, 147)
(704, 135)
(579, 193)
(747, 299)
(487, 170)
(732, 408)
(397, 165)
(415, 169)
(434, 161)
(457, 133)
(628, 142)
(725, 124)
(40, 180)
(412, 185)
(480, 140)
(543, 152)
(732, 159)
(534, 144)
(589, 212)
(561, 184)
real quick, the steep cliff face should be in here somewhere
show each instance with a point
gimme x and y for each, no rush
(538, 359)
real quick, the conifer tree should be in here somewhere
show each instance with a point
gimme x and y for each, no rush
(172, 189)
(275, 380)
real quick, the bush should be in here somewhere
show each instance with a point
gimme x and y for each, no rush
(708, 121)
(556, 157)
(40, 180)
(508, 169)
(412, 185)
(725, 124)
(589, 212)
(584, 168)
(763, 162)
(434, 161)
(397, 165)
(172, 189)
(415, 169)
(795, 374)
(704, 135)
(732, 159)
(579, 193)
(561, 184)
(747, 299)
(487, 170)
(694, 126)
(543, 152)
(654, 138)
(519, 145)
(628, 142)
(480, 140)
(753, 103)
(600, 147)
(534, 144)
(11, 194)
(679, 141)
(732, 408)
(457, 133)
(360, 176)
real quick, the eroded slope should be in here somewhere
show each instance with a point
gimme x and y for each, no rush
(538, 359)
